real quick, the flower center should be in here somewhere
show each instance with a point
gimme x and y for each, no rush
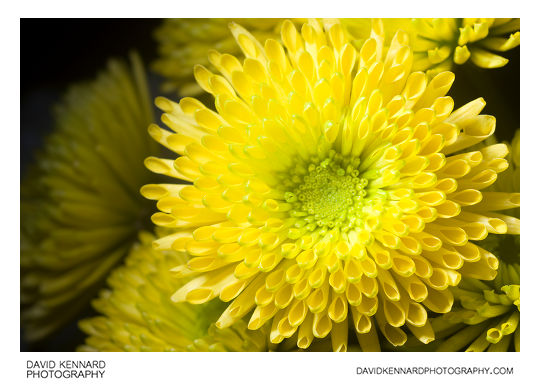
(327, 193)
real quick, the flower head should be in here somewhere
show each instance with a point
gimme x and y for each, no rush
(138, 315)
(80, 210)
(440, 43)
(331, 184)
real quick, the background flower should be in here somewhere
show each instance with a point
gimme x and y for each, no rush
(138, 314)
(331, 184)
(490, 308)
(441, 43)
(80, 207)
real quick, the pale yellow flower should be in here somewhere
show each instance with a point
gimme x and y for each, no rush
(332, 184)
(80, 207)
(138, 315)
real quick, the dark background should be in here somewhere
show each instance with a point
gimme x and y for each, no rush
(498, 86)
(57, 52)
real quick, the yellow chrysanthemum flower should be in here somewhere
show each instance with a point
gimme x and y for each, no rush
(80, 208)
(332, 184)
(138, 314)
(183, 43)
(441, 43)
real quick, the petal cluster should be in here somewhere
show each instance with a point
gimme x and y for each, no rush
(137, 314)
(331, 184)
(80, 204)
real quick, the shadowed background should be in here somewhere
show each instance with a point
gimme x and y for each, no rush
(56, 53)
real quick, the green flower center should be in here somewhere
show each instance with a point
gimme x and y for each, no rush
(326, 193)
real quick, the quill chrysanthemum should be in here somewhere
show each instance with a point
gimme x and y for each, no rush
(331, 184)
(138, 315)
(441, 43)
(80, 210)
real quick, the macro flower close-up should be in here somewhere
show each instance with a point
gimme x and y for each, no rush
(205, 186)
(332, 185)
